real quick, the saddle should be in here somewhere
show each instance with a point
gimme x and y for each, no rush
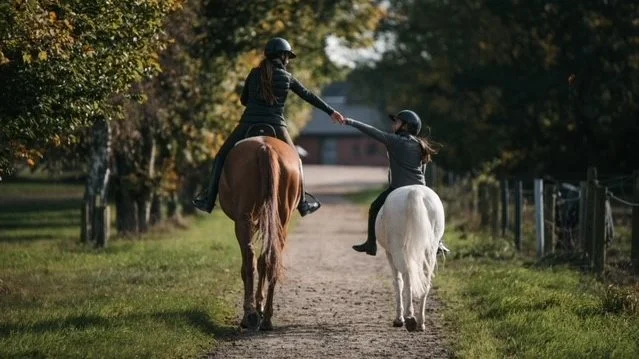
(260, 129)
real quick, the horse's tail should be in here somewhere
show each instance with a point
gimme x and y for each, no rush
(267, 216)
(418, 261)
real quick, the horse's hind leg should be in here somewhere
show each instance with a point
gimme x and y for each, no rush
(409, 317)
(261, 282)
(267, 324)
(398, 282)
(422, 309)
(244, 235)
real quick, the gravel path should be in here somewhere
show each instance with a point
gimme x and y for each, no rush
(334, 302)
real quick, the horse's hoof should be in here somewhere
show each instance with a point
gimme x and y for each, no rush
(266, 325)
(251, 321)
(254, 321)
(422, 328)
(411, 324)
(398, 323)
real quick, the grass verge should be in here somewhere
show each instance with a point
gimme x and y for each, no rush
(168, 294)
(499, 304)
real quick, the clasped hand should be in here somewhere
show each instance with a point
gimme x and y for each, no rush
(337, 117)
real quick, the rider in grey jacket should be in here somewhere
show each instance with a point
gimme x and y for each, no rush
(408, 156)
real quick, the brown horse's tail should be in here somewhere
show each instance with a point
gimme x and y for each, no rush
(267, 216)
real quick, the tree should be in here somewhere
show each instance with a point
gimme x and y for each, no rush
(490, 77)
(62, 62)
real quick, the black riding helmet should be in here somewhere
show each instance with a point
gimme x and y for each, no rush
(411, 119)
(277, 46)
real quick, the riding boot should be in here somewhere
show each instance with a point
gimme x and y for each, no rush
(370, 246)
(205, 201)
(305, 206)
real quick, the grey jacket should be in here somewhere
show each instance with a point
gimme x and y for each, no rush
(404, 154)
(258, 110)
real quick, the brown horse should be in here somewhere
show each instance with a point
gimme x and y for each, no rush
(259, 190)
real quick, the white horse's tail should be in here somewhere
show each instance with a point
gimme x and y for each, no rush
(417, 239)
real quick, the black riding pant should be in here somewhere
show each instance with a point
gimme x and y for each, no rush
(374, 210)
(238, 134)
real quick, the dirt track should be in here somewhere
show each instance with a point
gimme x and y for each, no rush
(334, 302)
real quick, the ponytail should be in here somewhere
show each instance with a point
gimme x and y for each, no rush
(266, 81)
(429, 148)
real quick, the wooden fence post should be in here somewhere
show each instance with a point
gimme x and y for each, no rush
(519, 218)
(504, 207)
(634, 252)
(539, 215)
(484, 205)
(591, 188)
(435, 172)
(475, 201)
(599, 230)
(494, 209)
(583, 196)
(429, 176)
(550, 235)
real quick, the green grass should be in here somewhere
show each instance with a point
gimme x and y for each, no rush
(504, 307)
(168, 294)
(498, 304)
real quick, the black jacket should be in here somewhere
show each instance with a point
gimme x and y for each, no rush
(258, 110)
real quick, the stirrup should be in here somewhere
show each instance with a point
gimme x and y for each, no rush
(308, 206)
(441, 248)
(312, 198)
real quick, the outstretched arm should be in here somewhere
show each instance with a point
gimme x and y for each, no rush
(371, 131)
(310, 97)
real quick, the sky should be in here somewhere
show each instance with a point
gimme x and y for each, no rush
(344, 56)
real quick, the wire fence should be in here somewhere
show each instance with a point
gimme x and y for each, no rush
(596, 219)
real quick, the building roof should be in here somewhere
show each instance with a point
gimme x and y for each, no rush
(336, 95)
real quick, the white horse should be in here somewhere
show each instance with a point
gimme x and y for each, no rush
(409, 227)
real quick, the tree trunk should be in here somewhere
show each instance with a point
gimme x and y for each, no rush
(126, 208)
(188, 192)
(146, 193)
(97, 181)
(172, 206)
(156, 210)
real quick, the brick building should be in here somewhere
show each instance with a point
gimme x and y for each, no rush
(329, 143)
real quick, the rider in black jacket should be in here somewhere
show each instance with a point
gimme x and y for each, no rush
(264, 95)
